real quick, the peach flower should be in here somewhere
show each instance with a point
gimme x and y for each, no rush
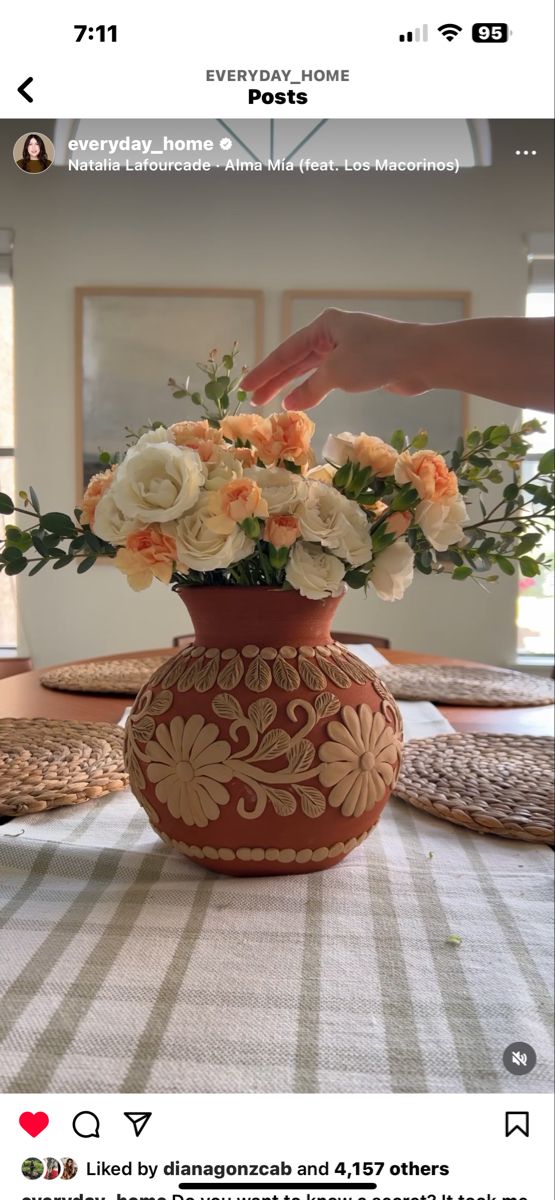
(241, 426)
(362, 449)
(284, 436)
(97, 486)
(148, 554)
(195, 435)
(245, 455)
(234, 503)
(281, 530)
(428, 473)
(398, 523)
(374, 453)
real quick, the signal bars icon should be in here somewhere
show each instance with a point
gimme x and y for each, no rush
(420, 34)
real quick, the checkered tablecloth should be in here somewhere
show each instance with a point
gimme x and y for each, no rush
(126, 968)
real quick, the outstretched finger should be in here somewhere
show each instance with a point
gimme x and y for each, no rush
(291, 352)
(264, 394)
(311, 392)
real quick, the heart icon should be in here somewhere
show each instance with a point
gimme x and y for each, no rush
(33, 1123)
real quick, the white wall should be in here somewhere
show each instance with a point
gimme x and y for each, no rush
(274, 232)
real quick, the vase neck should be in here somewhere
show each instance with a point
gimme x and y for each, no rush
(236, 617)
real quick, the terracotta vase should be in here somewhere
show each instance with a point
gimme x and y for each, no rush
(264, 747)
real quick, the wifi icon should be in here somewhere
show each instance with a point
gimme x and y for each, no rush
(449, 31)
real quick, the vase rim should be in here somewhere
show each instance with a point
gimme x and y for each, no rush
(186, 591)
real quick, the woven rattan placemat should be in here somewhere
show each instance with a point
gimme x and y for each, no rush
(120, 676)
(480, 687)
(48, 763)
(497, 783)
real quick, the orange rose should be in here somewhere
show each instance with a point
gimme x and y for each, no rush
(284, 436)
(428, 473)
(281, 530)
(148, 554)
(374, 453)
(194, 434)
(241, 426)
(245, 455)
(398, 523)
(242, 498)
(98, 485)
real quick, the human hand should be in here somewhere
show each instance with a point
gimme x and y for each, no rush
(349, 350)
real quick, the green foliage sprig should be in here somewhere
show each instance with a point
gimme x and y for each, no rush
(51, 537)
(219, 389)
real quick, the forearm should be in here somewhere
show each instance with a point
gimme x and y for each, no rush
(509, 359)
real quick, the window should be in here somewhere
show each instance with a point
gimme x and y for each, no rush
(535, 598)
(8, 612)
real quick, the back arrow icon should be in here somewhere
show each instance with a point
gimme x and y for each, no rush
(21, 89)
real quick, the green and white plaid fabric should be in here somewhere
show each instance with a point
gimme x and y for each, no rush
(126, 968)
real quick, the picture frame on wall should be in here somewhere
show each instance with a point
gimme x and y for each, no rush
(130, 340)
(443, 413)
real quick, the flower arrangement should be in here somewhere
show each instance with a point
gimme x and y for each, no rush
(237, 499)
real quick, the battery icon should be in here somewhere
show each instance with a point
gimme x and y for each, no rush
(489, 31)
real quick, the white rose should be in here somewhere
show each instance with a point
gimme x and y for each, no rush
(200, 548)
(222, 468)
(157, 482)
(338, 447)
(313, 572)
(109, 522)
(393, 571)
(152, 438)
(441, 521)
(323, 473)
(282, 490)
(334, 521)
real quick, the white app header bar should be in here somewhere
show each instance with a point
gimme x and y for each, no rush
(294, 59)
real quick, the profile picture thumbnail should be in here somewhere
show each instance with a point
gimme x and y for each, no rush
(52, 1168)
(32, 1168)
(69, 1170)
(33, 153)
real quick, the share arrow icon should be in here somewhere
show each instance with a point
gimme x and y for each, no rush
(138, 1120)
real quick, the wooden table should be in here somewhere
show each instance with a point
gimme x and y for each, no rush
(23, 696)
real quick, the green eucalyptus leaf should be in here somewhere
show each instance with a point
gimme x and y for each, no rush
(505, 564)
(529, 567)
(546, 464)
(58, 523)
(11, 554)
(355, 579)
(420, 441)
(461, 572)
(16, 567)
(34, 500)
(6, 505)
(38, 566)
(511, 491)
(86, 564)
(398, 440)
(499, 434)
